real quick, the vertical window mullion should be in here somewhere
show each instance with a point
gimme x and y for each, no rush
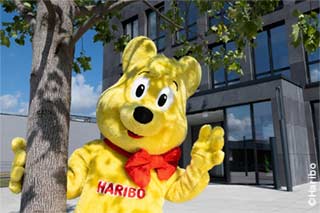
(158, 28)
(226, 82)
(270, 51)
(253, 125)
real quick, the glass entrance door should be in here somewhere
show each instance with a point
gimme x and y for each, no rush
(249, 155)
(242, 163)
(250, 162)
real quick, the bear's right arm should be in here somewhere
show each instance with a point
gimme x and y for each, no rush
(78, 166)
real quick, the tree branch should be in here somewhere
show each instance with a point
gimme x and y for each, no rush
(28, 15)
(179, 27)
(49, 6)
(97, 16)
(84, 28)
(92, 9)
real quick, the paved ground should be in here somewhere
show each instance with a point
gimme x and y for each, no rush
(220, 199)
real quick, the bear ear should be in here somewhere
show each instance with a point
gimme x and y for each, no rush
(191, 74)
(137, 52)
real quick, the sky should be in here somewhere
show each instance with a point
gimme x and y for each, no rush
(15, 72)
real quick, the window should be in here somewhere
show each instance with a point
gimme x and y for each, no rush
(189, 12)
(280, 5)
(314, 66)
(251, 121)
(263, 123)
(154, 30)
(271, 53)
(221, 77)
(313, 61)
(130, 27)
(220, 17)
(239, 123)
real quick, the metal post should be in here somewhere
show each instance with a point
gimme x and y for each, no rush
(256, 166)
(274, 157)
(245, 156)
(284, 140)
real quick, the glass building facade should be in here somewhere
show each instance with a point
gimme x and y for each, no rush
(271, 52)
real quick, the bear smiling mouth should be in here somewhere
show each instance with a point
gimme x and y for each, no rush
(133, 135)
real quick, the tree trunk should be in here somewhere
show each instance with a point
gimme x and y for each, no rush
(44, 186)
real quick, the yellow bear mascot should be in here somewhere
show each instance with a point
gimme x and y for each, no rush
(143, 120)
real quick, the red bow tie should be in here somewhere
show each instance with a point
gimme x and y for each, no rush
(139, 164)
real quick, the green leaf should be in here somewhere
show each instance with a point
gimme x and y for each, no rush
(84, 62)
(4, 39)
(295, 35)
(27, 4)
(233, 66)
(76, 67)
(214, 28)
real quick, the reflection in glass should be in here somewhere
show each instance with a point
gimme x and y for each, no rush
(131, 28)
(135, 28)
(314, 70)
(232, 75)
(128, 29)
(261, 53)
(263, 120)
(265, 166)
(314, 56)
(152, 25)
(154, 28)
(279, 45)
(189, 12)
(271, 53)
(222, 77)
(314, 66)
(220, 17)
(239, 123)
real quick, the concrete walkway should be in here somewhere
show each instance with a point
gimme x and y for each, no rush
(220, 199)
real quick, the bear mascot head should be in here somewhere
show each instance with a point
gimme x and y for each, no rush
(146, 108)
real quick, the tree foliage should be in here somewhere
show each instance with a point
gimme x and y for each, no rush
(241, 22)
(306, 30)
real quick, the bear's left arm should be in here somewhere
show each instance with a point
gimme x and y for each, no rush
(206, 153)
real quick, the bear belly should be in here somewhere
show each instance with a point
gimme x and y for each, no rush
(109, 189)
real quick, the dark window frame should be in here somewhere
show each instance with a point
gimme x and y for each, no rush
(130, 21)
(226, 82)
(161, 9)
(271, 71)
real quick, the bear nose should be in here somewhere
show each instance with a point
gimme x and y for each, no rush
(142, 115)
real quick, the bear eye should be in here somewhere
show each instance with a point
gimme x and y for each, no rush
(139, 88)
(165, 98)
